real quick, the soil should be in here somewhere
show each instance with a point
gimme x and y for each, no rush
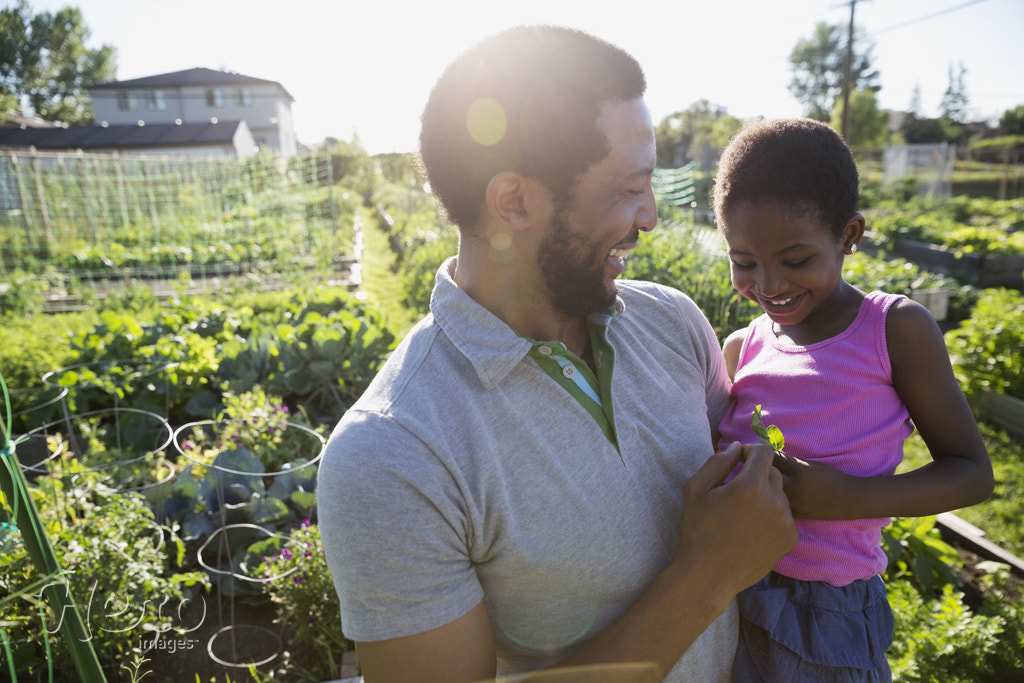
(220, 647)
(974, 588)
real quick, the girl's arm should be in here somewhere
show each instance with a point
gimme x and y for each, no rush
(960, 473)
(731, 348)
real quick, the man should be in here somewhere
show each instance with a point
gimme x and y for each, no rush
(507, 494)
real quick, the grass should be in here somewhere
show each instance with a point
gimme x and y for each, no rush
(999, 517)
(381, 285)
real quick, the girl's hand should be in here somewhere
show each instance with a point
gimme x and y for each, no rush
(814, 490)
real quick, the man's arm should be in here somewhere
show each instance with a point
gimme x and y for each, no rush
(732, 535)
(461, 650)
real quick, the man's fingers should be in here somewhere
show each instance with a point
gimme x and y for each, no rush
(716, 469)
(757, 461)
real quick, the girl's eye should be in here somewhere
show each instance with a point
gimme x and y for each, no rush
(743, 266)
(797, 264)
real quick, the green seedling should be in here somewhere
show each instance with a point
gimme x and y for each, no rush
(770, 435)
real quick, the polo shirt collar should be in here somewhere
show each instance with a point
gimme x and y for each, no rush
(491, 346)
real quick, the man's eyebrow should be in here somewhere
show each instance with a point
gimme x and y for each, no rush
(641, 173)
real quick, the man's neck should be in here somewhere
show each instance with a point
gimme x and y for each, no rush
(516, 296)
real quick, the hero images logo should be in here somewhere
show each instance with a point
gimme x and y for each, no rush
(116, 606)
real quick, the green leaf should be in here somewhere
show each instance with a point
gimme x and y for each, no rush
(770, 435)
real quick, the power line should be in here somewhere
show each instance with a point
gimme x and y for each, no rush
(910, 22)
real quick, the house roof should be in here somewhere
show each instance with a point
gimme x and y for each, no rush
(107, 137)
(199, 76)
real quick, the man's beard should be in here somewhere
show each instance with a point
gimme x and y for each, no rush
(573, 268)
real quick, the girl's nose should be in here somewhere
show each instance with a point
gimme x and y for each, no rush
(770, 283)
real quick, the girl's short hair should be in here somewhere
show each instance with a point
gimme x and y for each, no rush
(797, 162)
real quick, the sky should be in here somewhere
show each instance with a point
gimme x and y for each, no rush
(365, 67)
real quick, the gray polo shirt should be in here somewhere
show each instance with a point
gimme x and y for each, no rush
(465, 472)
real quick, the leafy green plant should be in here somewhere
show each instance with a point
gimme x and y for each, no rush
(20, 294)
(691, 259)
(984, 240)
(899, 276)
(939, 640)
(117, 563)
(321, 361)
(296, 578)
(916, 553)
(986, 350)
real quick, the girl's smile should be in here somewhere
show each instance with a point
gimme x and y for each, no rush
(787, 262)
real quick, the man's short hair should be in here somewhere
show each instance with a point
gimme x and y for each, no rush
(797, 162)
(524, 100)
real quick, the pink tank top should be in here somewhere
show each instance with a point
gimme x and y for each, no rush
(835, 403)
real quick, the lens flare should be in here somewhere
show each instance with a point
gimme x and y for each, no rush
(486, 121)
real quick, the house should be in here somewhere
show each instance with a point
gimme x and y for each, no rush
(206, 139)
(201, 96)
(196, 112)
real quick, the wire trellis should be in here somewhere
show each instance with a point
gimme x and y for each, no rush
(108, 216)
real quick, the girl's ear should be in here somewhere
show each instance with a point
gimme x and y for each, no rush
(853, 233)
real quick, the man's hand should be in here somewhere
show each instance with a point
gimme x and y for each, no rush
(741, 529)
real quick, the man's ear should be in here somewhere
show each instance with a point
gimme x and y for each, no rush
(507, 200)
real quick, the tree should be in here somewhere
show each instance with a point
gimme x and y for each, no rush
(722, 130)
(918, 130)
(1012, 121)
(819, 68)
(954, 100)
(915, 100)
(45, 65)
(680, 136)
(867, 125)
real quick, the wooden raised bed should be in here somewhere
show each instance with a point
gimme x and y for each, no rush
(981, 270)
(1006, 411)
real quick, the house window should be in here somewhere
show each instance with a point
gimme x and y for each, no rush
(244, 97)
(126, 101)
(215, 97)
(155, 100)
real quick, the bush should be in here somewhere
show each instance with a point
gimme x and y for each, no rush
(943, 641)
(691, 259)
(984, 240)
(937, 220)
(986, 350)
(899, 276)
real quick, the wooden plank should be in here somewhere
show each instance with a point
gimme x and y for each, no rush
(974, 540)
(1006, 411)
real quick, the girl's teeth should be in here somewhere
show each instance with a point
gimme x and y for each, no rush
(779, 303)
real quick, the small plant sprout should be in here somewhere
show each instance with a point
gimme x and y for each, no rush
(770, 435)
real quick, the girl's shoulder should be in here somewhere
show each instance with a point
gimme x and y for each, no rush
(908, 325)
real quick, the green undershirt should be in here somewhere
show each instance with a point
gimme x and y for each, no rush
(592, 392)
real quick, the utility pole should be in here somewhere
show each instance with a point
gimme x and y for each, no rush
(848, 71)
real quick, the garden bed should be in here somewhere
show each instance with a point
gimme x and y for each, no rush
(1006, 411)
(981, 270)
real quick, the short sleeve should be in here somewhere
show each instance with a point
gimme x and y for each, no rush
(708, 352)
(394, 531)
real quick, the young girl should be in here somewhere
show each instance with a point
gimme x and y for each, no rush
(846, 376)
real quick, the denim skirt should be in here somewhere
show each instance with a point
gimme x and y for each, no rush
(792, 630)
